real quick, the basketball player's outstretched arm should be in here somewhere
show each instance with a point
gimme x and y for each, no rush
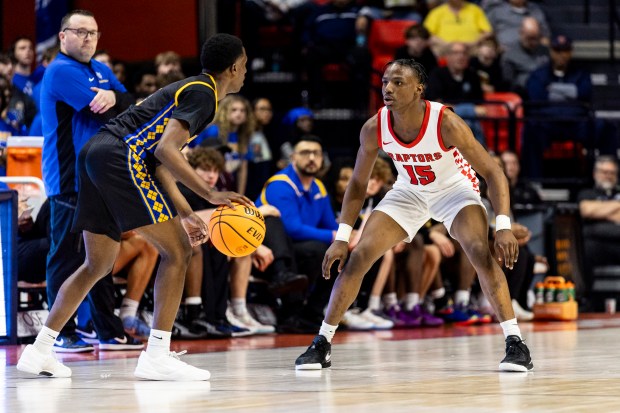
(167, 152)
(455, 132)
(355, 193)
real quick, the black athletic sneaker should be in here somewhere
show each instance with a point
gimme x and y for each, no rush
(317, 357)
(517, 356)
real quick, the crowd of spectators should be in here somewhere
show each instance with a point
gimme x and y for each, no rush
(468, 51)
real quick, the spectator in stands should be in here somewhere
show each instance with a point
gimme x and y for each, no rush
(309, 220)
(137, 258)
(231, 128)
(7, 127)
(21, 110)
(522, 191)
(273, 262)
(361, 316)
(145, 84)
(390, 10)
(164, 79)
(456, 21)
(32, 243)
(207, 287)
(22, 54)
(261, 13)
(506, 19)
(600, 211)
(456, 267)
(120, 71)
(524, 56)
(102, 56)
(417, 46)
(416, 266)
(457, 84)
(486, 63)
(519, 278)
(166, 62)
(296, 123)
(561, 90)
(73, 108)
(260, 159)
(330, 37)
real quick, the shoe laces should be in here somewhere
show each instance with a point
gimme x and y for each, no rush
(515, 345)
(176, 355)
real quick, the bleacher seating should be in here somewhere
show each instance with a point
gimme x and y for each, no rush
(384, 38)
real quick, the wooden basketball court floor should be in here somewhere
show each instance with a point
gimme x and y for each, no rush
(576, 368)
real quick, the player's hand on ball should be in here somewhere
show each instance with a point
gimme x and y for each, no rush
(338, 251)
(227, 198)
(507, 248)
(196, 229)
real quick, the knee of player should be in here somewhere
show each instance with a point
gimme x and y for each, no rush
(180, 253)
(98, 268)
(477, 250)
(358, 263)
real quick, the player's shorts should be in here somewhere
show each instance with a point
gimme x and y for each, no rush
(118, 191)
(412, 209)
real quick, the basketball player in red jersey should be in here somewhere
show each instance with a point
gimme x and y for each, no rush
(431, 148)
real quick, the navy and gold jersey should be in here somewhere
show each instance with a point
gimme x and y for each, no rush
(192, 100)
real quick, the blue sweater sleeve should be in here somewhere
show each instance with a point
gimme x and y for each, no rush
(328, 218)
(283, 197)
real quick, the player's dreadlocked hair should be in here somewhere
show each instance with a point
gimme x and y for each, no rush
(417, 68)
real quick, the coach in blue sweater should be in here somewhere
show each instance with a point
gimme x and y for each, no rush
(310, 222)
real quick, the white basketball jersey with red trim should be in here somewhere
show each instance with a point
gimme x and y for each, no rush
(425, 164)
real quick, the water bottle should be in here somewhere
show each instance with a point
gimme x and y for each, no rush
(540, 293)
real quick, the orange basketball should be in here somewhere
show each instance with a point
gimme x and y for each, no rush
(237, 232)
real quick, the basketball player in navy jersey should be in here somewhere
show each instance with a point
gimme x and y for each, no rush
(127, 181)
(435, 154)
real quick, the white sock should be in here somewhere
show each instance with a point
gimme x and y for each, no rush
(390, 300)
(438, 293)
(327, 331)
(374, 303)
(159, 343)
(193, 300)
(511, 328)
(45, 340)
(411, 300)
(238, 306)
(461, 297)
(129, 308)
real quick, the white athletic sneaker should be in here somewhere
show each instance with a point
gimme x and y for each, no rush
(247, 321)
(35, 362)
(353, 321)
(378, 322)
(520, 313)
(168, 367)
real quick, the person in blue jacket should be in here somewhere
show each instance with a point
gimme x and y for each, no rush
(78, 95)
(309, 220)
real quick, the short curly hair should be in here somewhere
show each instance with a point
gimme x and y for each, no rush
(206, 158)
(219, 52)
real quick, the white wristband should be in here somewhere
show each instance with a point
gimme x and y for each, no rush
(343, 233)
(502, 222)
